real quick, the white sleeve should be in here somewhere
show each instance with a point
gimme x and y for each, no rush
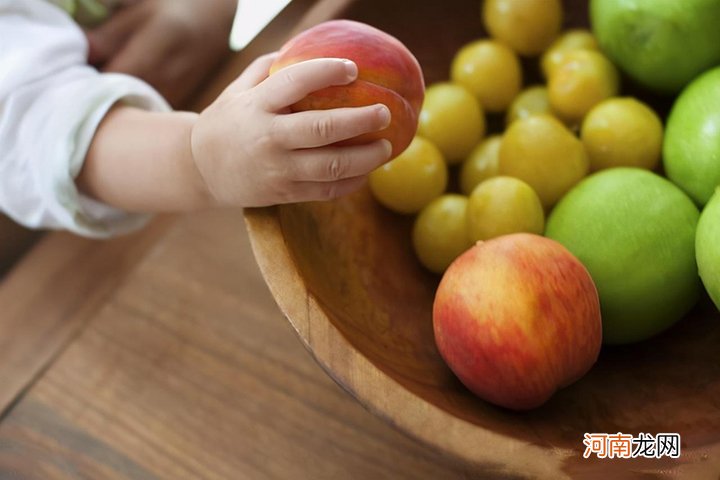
(51, 103)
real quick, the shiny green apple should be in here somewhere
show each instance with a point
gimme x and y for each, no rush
(691, 149)
(707, 247)
(635, 233)
(662, 44)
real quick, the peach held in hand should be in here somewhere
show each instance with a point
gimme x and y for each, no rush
(387, 73)
(517, 318)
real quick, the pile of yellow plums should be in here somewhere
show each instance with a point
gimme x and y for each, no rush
(555, 133)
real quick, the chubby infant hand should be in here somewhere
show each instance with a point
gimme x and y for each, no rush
(252, 151)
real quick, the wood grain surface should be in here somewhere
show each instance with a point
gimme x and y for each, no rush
(188, 370)
(14, 242)
(51, 294)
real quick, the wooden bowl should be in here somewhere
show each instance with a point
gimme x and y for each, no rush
(344, 274)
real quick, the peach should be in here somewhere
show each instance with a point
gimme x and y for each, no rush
(516, 318)
(388, 73)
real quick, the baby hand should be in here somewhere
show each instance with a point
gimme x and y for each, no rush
(252, 151)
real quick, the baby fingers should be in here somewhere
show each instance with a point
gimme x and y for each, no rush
(293, 83)
(255, 73)
(316, 128)
(331, 164)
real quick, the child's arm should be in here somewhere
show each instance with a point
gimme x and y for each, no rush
(246, 149)
(51, 103)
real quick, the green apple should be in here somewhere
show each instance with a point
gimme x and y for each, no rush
(635, 233)
(707, 247)
(662, 44)
(691, 149)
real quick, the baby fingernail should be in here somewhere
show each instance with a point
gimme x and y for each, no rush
(350, 68)
(384, 115)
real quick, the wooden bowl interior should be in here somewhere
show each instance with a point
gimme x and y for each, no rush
(356, 259)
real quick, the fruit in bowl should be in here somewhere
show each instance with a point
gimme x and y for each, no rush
(481, 164)
(491, 71)
(516, 318)
(662, 44)
(453, 119)
(635, 233)
(345, 274)
(582, 79)
(534, 100)
(574, 39)
(503, 205)
(527, 26)
(439, 233)
(622, 132)
(542, 152)
(691, 151)
(707, 247)
(388, 73)
(408, 182)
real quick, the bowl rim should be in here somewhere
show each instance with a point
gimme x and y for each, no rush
(373, 388)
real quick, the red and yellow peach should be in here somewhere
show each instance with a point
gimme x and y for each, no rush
(388, 73)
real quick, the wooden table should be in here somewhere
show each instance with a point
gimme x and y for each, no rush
(166, 357)
(163, 355)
